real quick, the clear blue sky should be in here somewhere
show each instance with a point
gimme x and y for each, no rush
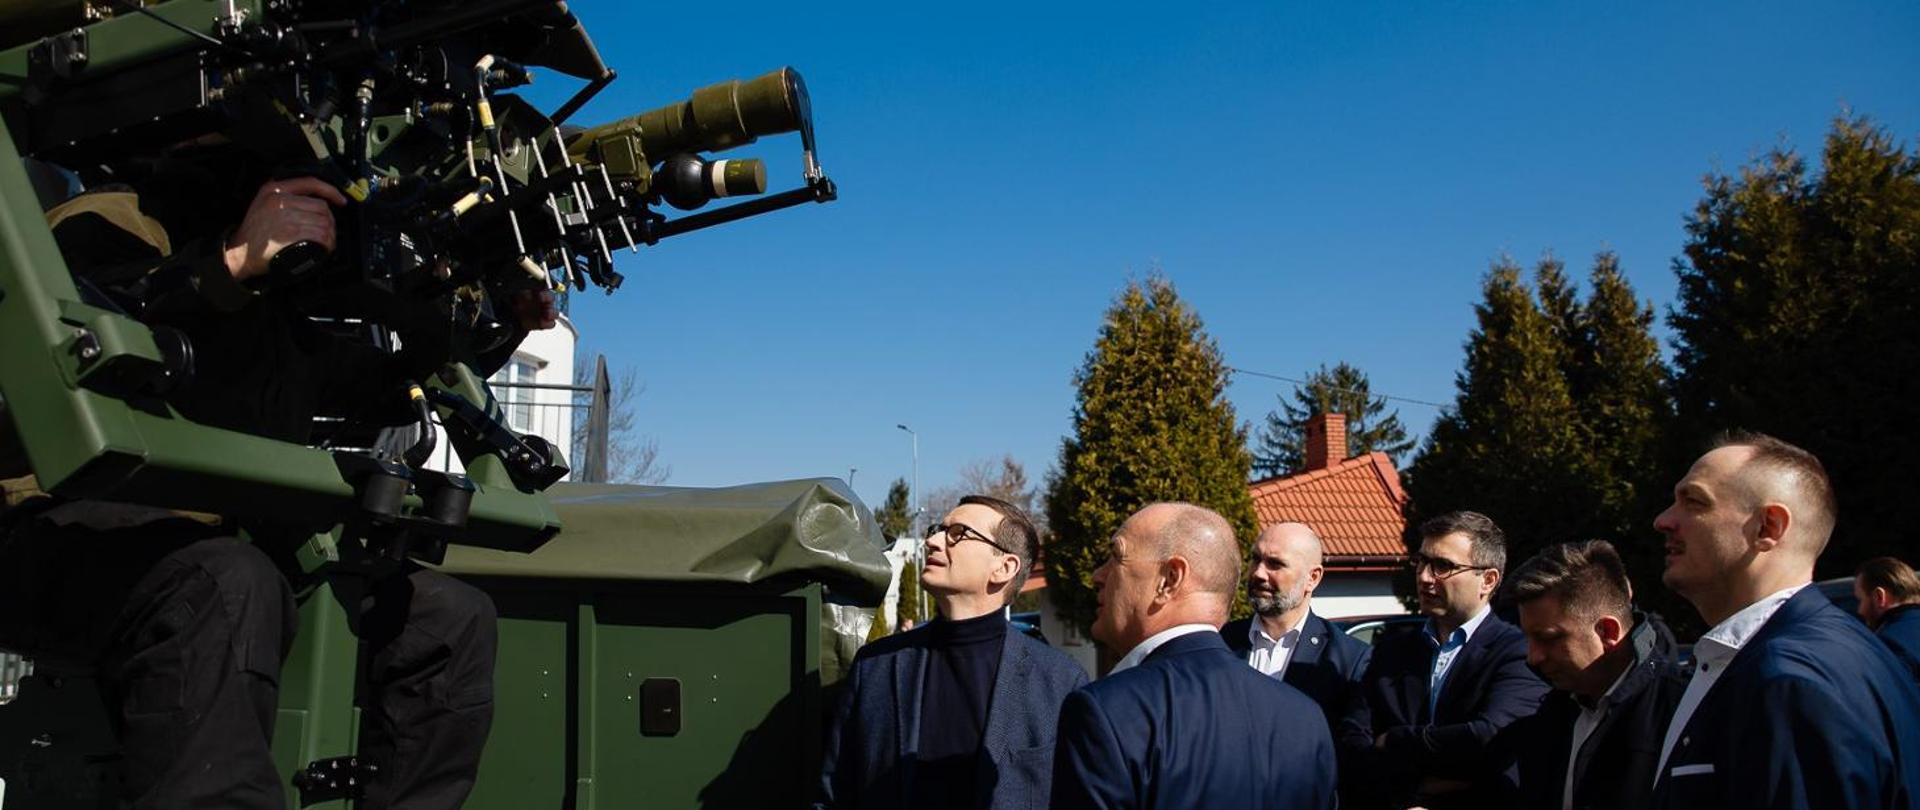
(1323, 181)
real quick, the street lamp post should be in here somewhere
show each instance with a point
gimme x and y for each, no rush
(913, 495)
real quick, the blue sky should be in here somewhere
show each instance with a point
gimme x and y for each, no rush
(1322, 181)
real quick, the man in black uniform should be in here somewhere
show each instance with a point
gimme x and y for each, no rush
(187, 625)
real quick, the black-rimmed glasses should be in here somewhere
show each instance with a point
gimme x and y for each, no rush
(1442, 567)
(959, 532)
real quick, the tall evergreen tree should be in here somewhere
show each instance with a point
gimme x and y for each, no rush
(1343, 389)
(895, 513)
(1511, 446)
(1796, 316)
(1151, 423)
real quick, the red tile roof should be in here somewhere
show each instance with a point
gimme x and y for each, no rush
(1354, 506)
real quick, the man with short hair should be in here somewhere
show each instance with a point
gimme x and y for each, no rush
(1792, 702)
(1285, 639)
(1181, 721)
(958, 712)
(1889, 595)
(1436, 698)
(1615, 683)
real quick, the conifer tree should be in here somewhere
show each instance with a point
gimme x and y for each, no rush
(1343, 389)
(1511, 446)
(1796, 316)
(895, 514)
(1151, 423)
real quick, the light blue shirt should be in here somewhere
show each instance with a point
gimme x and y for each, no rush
(1445, 652)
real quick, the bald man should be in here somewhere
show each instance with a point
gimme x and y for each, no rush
(1181, 721)
(1283, 638)
(1792, 703)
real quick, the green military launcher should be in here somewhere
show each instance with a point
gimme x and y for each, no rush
(658, 646)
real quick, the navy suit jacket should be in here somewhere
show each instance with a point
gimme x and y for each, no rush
(1326, 663)
(873, 737)
(1192, 726)
(1813, 712)
(1488, 687)
(1900, 629)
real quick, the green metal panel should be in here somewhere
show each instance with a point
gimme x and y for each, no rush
(130, 40)
(528, 749)
(567, 703)
(317, 719)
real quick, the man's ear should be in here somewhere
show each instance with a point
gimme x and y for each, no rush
(1610, 631)
(1775, 519)
(1173, 577)
(1490, 581)
(1004, 573)
(1314, 575)
(1881, 598)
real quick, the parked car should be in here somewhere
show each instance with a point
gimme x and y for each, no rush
(1840, 590)
(1371, 628)
(1029, 623)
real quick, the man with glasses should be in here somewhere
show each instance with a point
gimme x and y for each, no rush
(959, 712)
(1436, 698)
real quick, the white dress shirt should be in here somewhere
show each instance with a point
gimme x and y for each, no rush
(1710, 656)
(1145, 648)
(1270, 655)
(1583, 726)
(1446, 651)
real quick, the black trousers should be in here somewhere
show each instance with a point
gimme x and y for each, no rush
(188, 630)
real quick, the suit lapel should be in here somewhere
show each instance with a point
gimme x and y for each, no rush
(1467, 661)
(1796, 609)
(909, 674)
(1313, 643)
(1009, 683)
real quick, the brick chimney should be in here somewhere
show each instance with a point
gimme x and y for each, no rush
(1326, 440)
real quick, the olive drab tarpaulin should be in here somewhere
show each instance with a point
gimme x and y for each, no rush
(811, 530)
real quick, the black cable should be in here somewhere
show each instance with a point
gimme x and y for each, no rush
(1368, 394)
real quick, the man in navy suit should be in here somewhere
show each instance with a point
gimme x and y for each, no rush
(1792, 703)
(959, 712)
(1284, 639)
(1181, 721)
(1437, 697)
(1889, 595)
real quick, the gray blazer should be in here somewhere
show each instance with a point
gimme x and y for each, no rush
(873, 734)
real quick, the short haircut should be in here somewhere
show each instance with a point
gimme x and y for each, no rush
(1015, 533)
(1587, 576)
(1488, 545)
(1897, 577)
(1206, 541)
(1803, 469)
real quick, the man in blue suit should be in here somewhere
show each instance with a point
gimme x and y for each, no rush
(1284, 639)
(959, 712)
(1792, 703)
(1181, 721)
(1889, 595)
(1437, 697)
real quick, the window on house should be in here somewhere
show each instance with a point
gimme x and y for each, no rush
(517, 402)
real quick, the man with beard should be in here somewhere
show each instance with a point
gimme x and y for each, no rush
(1435, 699)
(1284, 639)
